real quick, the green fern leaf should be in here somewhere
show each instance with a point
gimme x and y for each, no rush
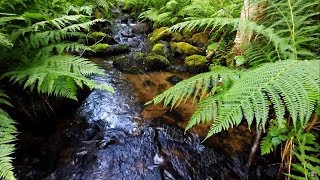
(7, 136)
(297, 82)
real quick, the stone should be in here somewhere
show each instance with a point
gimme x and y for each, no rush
(160, 34)
(161, 49)
(196, 63)
(174, 79)
(200, 39)
(156, 61)
(102, 37)
(132, 62)
(184, 48)
(141, 28)
(101, 47)
(177, 37)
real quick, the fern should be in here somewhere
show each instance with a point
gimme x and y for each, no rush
(7, 136)
(56, 75)
(307, 154)
(4, 41)
(249, 95)
(277, 133)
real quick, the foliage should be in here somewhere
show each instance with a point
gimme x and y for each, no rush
(7, 136)
(174, 11)
(277, 133)
(277, 78)
(36, 40)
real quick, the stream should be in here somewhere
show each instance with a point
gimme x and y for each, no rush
(114, 136)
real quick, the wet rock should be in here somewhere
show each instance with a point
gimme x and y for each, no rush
(152, 153)
(132, 62)
(161, 49)
(127, 34)
(162, 33)
(148, 83)
(177, 37)
(100, 48)
(184, 48)
(156, 61)
(101, 37)
(103, 49)
(200, 39)
(141, 28)
(196, 63)
(174, 79)
(117, 49)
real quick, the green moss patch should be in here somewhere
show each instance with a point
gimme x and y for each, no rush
(100, 47)
(184, 48)
(196, 60)
(160, 49)
(156, 61)
(160, 34)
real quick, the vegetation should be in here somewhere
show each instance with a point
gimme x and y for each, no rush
(276, 76)
(264, 64)
(37, 40)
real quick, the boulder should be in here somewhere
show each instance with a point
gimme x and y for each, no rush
(156, 61)
(102, 49)
(102, 37)
(141, 28)
(160, 34)
(177, 37)
(200, 39)
(161, 49)
(132, 62)
(196, 63)
(184, 48)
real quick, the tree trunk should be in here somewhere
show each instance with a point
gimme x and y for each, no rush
(253, 12)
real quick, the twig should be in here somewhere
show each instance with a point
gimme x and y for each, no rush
(254, 148)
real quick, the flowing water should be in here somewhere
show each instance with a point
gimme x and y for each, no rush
(116, 137)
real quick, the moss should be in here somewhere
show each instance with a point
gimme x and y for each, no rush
(200, 38)
(196, 63)
(185, 48)
(97, 35)
(156, 61)
(196, 60)
(176, 37)
(160, 34)
(160, 49)
(100, 47)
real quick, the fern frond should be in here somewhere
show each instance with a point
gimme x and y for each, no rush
(198, 85)
(7, 136)
(291, 85)
(61, 48)
(306, 152)
(4, 41)
(57, 75)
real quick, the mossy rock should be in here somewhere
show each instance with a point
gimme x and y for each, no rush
(101, 37)
(132, 62)
(177, 37)
(160, 34)
(97, 35)
(196, 63)
(156, 61)
(101, 47)
(184, 48)
(160, 49)
(200, 39)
